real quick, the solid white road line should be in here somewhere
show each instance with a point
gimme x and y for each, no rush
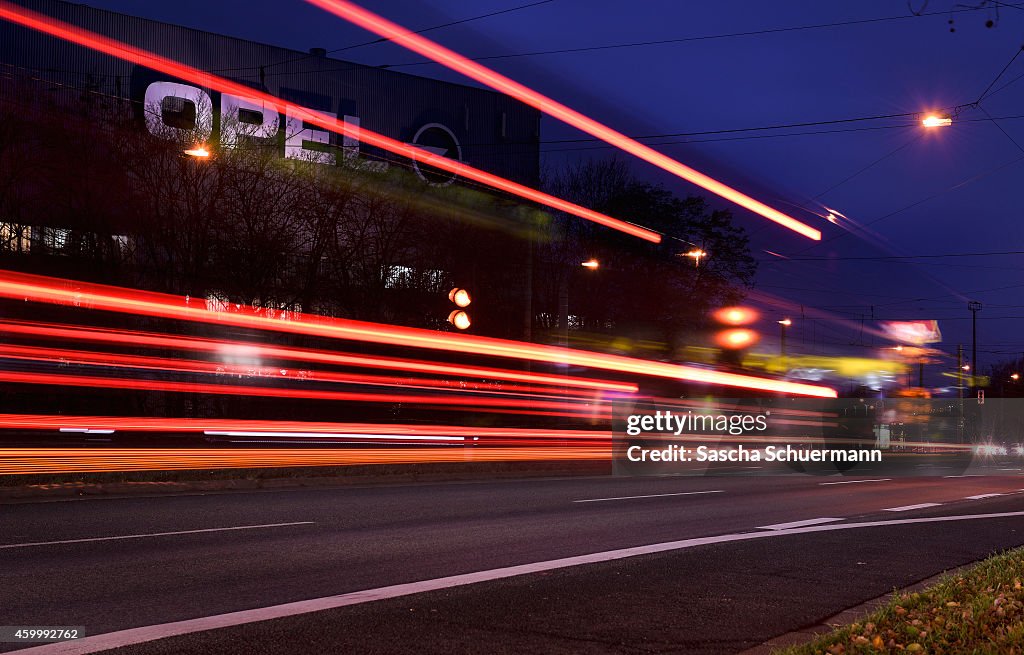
(980, 496)
(965, 475)
(907, 508)
(154, 534)
(101, 642)
(682, 493)
(797, 524)
(824, 484)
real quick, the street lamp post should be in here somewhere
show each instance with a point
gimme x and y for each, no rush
(960, 389)
(591, 264)
(974, 306)
(783, 324)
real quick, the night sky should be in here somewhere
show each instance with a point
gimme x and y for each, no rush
(911, 64)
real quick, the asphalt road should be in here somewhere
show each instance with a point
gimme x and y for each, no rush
(143, 561)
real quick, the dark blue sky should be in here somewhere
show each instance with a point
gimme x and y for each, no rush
(876, 68)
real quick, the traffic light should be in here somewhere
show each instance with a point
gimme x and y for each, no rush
(735, 337)
(459, 317)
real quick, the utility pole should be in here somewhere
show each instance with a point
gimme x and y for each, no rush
(974, 306)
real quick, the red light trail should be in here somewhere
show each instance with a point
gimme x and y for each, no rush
(439, 401)
(248, 349)
(103, 460)
(400, 35)
(199, 425)
(136, 55)
(115, 299)
(267, 373)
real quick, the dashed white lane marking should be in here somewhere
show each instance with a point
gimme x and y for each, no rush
(101, 642)
(798, 524)
(825, 484)
(907, 508)
(682, 493)
(965, 475)
(981, 496)
(154, 534)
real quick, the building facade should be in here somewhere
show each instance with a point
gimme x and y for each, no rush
(488, 130)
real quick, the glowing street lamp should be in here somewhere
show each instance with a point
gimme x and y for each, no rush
(936, 120)
(696, 255)
(592, 264)
(199, 152)
(1015, 376)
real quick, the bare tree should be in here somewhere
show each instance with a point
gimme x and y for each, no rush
(641, 289)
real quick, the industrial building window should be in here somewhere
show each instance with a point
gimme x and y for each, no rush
(55, 238)
(15, 237)
(434, 280)
(398, 277)
(405, 277)
(123, 244)
(217, 301)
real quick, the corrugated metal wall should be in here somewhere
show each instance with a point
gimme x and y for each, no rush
(389, 102)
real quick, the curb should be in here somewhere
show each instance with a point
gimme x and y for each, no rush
(850, 615)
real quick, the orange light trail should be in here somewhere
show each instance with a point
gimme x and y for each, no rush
(15, 461)
(400, 35)
(256, 350)
(115, 299)
(114, 48)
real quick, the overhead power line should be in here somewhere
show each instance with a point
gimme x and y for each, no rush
(599, 47)
(383, 40)
(1000, 75)
(452, 23)
(704, 37)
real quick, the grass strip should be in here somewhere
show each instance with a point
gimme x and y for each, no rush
(978, 610)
